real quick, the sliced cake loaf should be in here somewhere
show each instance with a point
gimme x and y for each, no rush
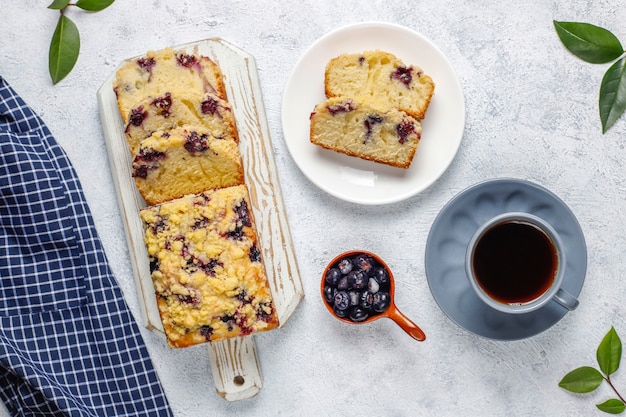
(204, 253)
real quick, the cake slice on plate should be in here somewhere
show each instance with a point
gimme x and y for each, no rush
(380, 75)
(366, 129)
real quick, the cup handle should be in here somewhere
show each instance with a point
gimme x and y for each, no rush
(566, 299)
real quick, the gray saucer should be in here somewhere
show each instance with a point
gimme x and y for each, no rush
(447, 243)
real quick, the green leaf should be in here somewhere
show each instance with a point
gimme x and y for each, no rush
(612, 102)
(94, 5)
(609, 352)
(64, 49)
(588, 42)
(59, 4)
(581, 380)
(612, 406)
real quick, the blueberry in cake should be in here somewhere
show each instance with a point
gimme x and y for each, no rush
(185, 160)
(167, 70)
(206, 266)
(364, 128)
(380, 75)
(178, 108)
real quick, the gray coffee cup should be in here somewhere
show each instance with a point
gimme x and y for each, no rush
(515, 262)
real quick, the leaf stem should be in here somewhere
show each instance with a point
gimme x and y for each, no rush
(608, 379)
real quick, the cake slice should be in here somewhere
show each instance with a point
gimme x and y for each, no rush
(179, 108)
(364, 128)
(207, 270)
(167, 70)
(380, 75)
(185, 160)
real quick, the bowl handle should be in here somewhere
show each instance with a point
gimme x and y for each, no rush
(406, 324)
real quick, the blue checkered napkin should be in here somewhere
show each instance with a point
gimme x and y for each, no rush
(68, 343)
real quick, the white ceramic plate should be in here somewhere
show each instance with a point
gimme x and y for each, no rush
(353, 179)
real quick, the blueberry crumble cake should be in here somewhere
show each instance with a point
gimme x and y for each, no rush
(167, 70)
(178, 108)
(205, 260)
(185, 160)
(206, 267)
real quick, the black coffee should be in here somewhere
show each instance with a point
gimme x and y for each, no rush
(515, 262)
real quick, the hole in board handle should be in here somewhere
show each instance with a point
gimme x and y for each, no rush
(239, 380)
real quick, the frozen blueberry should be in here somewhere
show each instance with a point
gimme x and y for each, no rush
(355, 297)
(329, 293)
(367, 299)
(340, 313)
(381, 301)
(381, 276)
(358, 314)
(345, 266)
(342, 300)
(357, 280)
(333, 276)
(343, 283)
(373, 286)
(364, 262)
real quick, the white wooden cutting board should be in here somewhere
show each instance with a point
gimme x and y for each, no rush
(234, 362)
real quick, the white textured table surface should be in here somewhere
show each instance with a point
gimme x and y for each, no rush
(531, 114)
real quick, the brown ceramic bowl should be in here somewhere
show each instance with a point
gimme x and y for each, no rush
(390, 312)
